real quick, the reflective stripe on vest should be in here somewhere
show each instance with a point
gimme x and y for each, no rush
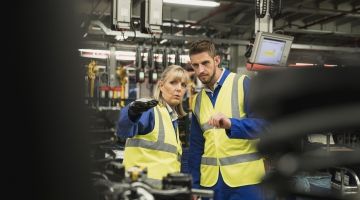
(235, 98)
(197, 106)
(230, 160)
(234, 102)
(159, 145)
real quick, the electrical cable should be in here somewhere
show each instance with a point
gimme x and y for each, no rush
(275, 7)
(263, 8)
(133, 28)
(249, 48)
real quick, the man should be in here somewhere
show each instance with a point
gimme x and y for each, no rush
(223, 155)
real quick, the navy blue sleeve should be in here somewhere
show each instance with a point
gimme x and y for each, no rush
(249, 127)
(246, 85)
(196, 150)
(129, 126)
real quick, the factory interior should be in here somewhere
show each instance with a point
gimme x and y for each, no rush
(303, 60)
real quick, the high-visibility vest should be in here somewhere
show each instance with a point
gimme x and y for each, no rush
(237, 159)
(159, 151)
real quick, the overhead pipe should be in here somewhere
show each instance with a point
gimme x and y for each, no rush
(321, 11)
(327, 19)
(312, 31)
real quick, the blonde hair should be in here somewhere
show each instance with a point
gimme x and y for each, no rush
(180, 73)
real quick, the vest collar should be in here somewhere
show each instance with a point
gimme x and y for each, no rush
(220, 82)
(173, 115)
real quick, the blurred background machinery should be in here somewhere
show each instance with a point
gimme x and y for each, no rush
(311, 145)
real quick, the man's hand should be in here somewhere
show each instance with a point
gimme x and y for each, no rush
(219, 120)
(141, 105)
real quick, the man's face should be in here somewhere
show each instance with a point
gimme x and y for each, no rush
(205, 67)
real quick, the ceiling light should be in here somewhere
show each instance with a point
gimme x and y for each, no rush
(163, 41)
(94, 53)
(119, 38)
(193, 3)
(95, 28)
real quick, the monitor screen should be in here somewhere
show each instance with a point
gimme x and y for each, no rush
(271, 49)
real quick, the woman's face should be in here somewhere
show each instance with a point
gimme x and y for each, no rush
(173, 89)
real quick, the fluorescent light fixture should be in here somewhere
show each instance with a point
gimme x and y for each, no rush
(104, 54)
(118, 38)
(329, 65)
(94, 53)
(193, 3)
(96, 28)
(121, 37)
(185, 58)
(163, 41)
(166, 24)
(125, 55)
(101, 66)
(304, 64)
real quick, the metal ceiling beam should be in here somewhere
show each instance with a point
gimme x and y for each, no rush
(242, 2)
(238, 18)
(108, 31)
(293, 4)
(229, 25)
(105, 45)
(322, 1)
(327, 19)
(345, 21)
(355, 23)
(321, 32)
(322, 11)
(353, 2)
(337, 2)
(311, 18)
(137, 34)
(325, 48)
(295, 16)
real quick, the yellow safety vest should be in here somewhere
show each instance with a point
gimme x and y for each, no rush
(159, 151)
(237, 159)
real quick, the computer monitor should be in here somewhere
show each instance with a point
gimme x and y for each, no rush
(271, 49)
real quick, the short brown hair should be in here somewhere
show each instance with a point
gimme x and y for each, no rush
(200, 46)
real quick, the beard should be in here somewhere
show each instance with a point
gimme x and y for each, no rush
(210, 78)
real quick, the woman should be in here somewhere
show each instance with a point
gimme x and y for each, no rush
(151, 126)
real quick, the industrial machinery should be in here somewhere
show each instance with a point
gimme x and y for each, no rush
(346, 180)
(311, 102)
(114, 182)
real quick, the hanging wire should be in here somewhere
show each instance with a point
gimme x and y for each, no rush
(133, 28)
(281, 31)
(154, 41)
(275, 8)
(122, 34)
